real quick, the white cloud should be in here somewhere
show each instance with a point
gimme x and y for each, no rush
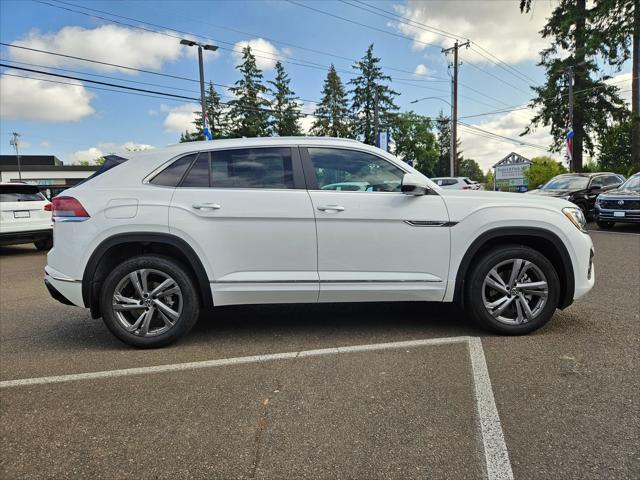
(266, 54)
(623, 82)
(35, 99)
(307, 121)
(45, 144)
(497, 26)
(488, 151)
(422, 70)
(107, 43)
(106, 148)
(180, 118)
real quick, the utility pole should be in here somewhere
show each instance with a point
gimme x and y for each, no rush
(376, 120)
(454, 105)
(570, 75)
(15, 141)
(207, 132)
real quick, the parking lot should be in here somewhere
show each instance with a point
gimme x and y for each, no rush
(361, 391)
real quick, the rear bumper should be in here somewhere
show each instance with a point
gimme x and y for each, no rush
(64, 289)
(26, 236)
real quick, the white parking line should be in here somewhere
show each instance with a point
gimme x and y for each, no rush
(496, 457)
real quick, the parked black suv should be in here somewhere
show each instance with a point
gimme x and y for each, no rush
(621, 205)
(580, 188)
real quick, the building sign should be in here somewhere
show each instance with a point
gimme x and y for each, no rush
(513, 171)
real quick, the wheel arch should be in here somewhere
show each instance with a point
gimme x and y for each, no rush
(544, 241)
(119, 247)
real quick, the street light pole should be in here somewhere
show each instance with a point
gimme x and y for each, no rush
(201, 46)
(15, 143)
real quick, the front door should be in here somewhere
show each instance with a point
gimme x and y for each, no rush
(249, 211)
(374, 242)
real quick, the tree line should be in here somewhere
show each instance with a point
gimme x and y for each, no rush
(582, 38)
(344, 111)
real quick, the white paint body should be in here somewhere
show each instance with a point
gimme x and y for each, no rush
(24, 216)
(276, 246)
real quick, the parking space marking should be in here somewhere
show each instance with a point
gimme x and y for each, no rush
(496, 458)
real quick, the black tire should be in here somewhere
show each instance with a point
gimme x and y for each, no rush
(605, 225)
(188, 302)
(44, 244)
(474, 295)
(585, 210)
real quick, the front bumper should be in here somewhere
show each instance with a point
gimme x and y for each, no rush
(612, 215)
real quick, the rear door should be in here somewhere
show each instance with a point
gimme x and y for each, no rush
(250, 214)
(375, 243)
(22, 209)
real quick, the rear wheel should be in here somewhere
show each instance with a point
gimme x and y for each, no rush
(149, 301)
(512, 290)
(605, 225)
(44, 244)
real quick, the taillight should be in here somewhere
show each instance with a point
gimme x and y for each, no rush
(466, 187)
(68, 209)
(47, 207)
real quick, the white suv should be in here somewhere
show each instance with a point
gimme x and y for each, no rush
(150, 243)
(25, 216)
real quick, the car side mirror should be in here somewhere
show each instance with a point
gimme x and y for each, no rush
(595, 188)
(541, 185)
(414, 185)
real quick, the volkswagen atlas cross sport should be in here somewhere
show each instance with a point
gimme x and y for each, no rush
(150, 243)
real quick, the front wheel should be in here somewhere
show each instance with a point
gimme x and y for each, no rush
(149, 301)
(512, 290)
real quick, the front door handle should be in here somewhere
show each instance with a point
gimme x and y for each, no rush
(206, 206)
(331, 208)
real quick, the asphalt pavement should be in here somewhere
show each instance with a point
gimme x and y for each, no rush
(567, 395)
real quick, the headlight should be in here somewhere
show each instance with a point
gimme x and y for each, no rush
(576, 217)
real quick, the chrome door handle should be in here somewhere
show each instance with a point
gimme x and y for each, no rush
(331, 208)
(206, 206)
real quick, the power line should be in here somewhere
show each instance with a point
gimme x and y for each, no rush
(514, 140)
(290, 60)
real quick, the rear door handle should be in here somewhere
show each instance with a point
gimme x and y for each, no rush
(331, 208)
(206, 206)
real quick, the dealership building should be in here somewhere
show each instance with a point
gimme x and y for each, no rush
(47, 172)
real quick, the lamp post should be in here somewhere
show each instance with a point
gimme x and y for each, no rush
(452, 133)
(15, 142)
(201, 46)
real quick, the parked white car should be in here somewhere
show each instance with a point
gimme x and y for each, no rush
(25, 216)
(457, 183)
(150, 243)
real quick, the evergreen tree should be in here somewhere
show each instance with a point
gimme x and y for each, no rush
(248, 111)
(470, 168)
(443, 133)
(367, 87)
(285, 110)
(575, 34)
(332, 113)
(217, 118)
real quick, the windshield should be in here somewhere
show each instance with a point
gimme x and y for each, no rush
(632, 184)
(567, 183)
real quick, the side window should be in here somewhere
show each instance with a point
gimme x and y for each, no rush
(171, 176)
(351, 170)
(252, 168)
(598, 181)
(198, 176)
(613, 180)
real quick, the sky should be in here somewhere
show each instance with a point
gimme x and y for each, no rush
(79, 120)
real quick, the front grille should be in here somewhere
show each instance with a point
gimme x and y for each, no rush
(628, 204)
(608, 215)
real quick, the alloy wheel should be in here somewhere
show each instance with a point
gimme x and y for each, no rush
(515, 291)
(147, 302)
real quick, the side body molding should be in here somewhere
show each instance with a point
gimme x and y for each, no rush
(514, 234)
(146, 238)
